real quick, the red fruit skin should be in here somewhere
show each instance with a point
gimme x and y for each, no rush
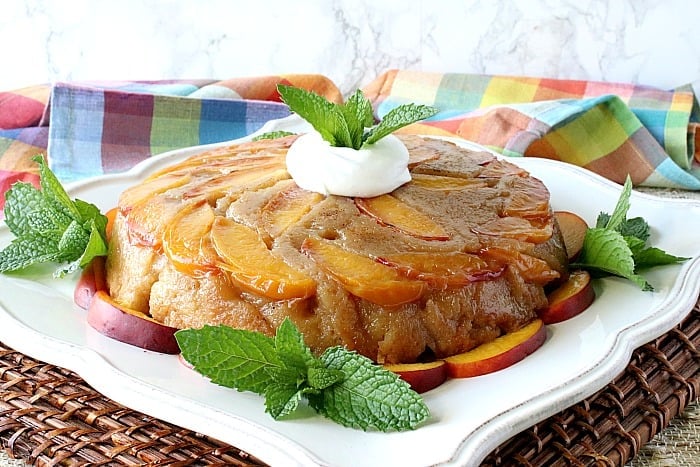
(457, 367)
(130, 327)
(571, 298)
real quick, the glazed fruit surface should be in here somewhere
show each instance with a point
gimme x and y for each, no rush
(453, 259)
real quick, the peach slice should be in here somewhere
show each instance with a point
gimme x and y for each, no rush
(111, 214)
(443, 270)
(569, 299)
(187, 243)
(219, 162)
(500, 353)
(130, 326)
(443, 183)
(389, 211)
(141, 192)
(286, 208)
(527, 230)
(253, 267)
(529, 198)
(573, 229)
(92, 279)
(148, 220)
(363, 276)
(533, 270)
(422, 377)
(214, 188)
(497, 168)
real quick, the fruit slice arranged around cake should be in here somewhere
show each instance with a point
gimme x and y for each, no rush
(451, 271)
(386, 276)
(347, 245)
(383, 275)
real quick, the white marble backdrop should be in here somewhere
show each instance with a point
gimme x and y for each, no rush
(648, 42)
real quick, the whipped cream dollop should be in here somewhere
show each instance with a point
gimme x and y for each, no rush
(374, 170)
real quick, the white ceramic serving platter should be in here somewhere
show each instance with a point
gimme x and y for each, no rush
(469, 417)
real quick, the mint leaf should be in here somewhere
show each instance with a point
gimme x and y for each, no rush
(273, 135)
(21, 200)
(602, 220)
(234, 358)
(398, 118)
(88, 213)
(618, 246)
(50, 227)
(322, 377)
(23, 252)
(623, 204)
(607, 251)
(359, 106)
(281, 400)
(346, 125)
(73, 240)
(290, 347)
(342, 385)
(636, 227)
(96, 246)
(54, 192)
(652, 256)
(358, 115)
(369, 396)
(326, 117)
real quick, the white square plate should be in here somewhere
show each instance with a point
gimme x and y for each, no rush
(469, 417)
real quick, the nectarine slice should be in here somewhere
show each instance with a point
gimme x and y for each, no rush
(286, 208)
(362, 276)
(533, 270)
(390, 211)
(519, 228)
(92, 279)
(253, 267)
(569, 299)
(443, 183)
(573, 229)
(130, 326)
(500, 353)
(219, 162)
(144, 191)
(187, 243)
(498, 168)
(111, 214)
(441, 270)
(422, 377)
(217, 187)
(528, 197)
(148, 220)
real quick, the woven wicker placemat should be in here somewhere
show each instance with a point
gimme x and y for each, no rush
(614, 424)
(50, 416)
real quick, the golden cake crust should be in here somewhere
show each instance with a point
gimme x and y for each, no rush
(456, 257)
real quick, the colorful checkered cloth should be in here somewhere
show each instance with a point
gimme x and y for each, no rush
(611, 129)
(93, 128)
(90, 129)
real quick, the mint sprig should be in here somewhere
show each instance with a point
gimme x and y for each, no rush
(272, 135)
(618, 246)
(350, 124)
(340, 384)
(50, 227)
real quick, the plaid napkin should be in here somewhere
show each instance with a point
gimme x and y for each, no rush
(93, 128)
(611, 129)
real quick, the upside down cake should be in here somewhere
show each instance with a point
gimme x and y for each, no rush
(454, 258)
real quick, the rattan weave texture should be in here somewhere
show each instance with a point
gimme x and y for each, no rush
(50, 416)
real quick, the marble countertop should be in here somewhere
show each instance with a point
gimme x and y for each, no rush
(351, 41)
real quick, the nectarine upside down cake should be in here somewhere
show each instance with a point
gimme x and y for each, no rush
(454, 258)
